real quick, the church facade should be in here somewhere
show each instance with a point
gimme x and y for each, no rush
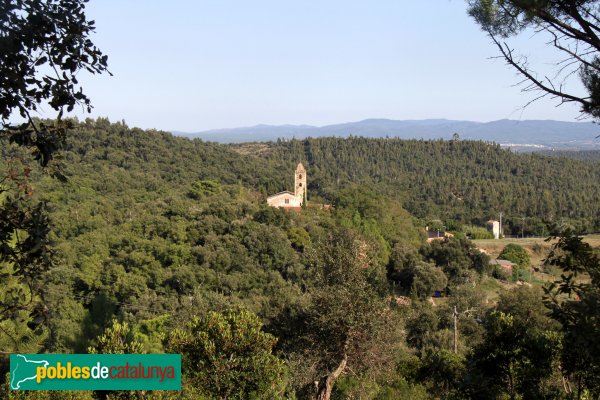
(289, 199)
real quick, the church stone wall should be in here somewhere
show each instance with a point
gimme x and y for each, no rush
(284, 200)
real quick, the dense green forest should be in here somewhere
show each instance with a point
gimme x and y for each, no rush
(584, 155)
(164, 244)
(458, 182)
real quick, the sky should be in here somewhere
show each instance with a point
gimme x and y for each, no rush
(205, 64)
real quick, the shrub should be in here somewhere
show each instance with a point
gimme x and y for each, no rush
(516, 254)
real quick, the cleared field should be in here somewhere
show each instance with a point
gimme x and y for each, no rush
(537, 248)
(593, 240)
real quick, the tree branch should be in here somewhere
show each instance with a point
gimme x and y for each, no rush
(325, 384)
(556, 43)
(585, 25)
(507, 54)
(567, 29)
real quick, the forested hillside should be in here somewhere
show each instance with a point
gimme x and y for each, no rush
(164, 244)
(459, 182)
(584, 155)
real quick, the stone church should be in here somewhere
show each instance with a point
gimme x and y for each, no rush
(288, 199)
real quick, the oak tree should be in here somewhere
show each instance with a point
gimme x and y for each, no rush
(574, 301)
(43, 46)
(229, 356)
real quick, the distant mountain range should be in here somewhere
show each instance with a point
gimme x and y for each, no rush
(521, 135)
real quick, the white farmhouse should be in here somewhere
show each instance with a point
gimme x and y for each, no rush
(494, 227)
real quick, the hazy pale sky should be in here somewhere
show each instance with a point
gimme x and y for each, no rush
(197, 65)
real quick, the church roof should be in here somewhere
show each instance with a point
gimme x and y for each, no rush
(300, 167)
(281, 193)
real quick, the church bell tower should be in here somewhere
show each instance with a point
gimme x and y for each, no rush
(300, 183)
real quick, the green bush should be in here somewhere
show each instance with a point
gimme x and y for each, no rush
(204, 188)
(229, 356)
(516, 254)
(476, 232)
